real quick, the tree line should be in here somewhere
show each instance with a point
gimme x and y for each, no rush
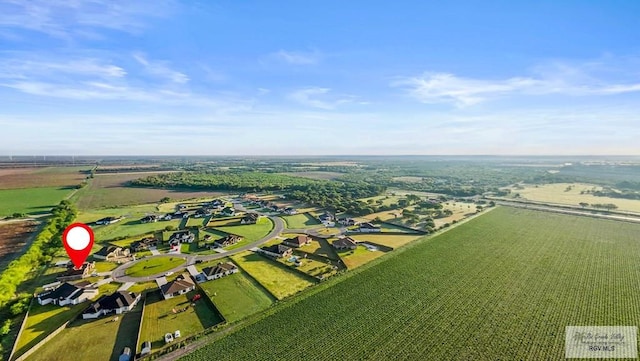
(41, 251)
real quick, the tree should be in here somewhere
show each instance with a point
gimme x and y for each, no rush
(165, 200)
(583, 204)
(170, 228)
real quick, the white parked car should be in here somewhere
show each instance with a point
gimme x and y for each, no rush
(176, 334)
(168, 274)
(168, 337)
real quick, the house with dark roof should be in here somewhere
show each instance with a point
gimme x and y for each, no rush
(72, 273)
(144, 244)
(67, 294)
(219, 270)
(250, 218)
(149, 219)
(227, 240)
(117, 303)
(290, 211)
(112, 253)
(276, 251)
(369, 228)
(345, 243)
(179, 286)
(202, 212)
(228, 211)
(298, 241)
(348, 222)
(182, 237)
(108, 220)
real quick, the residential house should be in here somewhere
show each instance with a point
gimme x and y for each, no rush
(276, 251)
(327, 219)
(219, 270)
(369, 228)
(179, 286)
(202, 212)
(217, 203)
(348, 222)
(112, 253)
(175, 215)
(345, 243)
(149, 219)
(73, 273)
(227, 240)
(67, 294)
(290, 211)
(117, 302)
(228, 212)
(181, 237)
(250, 218)
(144, 244)
(298, 241)
(108, 220)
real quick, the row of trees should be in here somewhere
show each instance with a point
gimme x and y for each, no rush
(46, 244)
(225, 181)
(341, 197)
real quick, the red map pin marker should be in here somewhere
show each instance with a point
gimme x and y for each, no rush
(78, 240)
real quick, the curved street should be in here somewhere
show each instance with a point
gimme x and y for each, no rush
(119, 275)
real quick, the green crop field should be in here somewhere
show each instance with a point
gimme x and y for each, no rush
(237, 296)
(251, 232)
(501, 286)
(31, 200)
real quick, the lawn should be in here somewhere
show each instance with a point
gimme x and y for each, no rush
(389, 240)
(196, 222)
(320, 247)
(302, 220)
(356, 258)
(276, 278)
(221, 222)
(152, 266)
(42, 321)
(104, 266)
(159, 319)
(31, 200)
(251, 232)
(502, 286)
(95, 340)
(111, 190)
(312, 267)
(237, 296)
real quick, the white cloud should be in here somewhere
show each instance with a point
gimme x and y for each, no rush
(80, 18)
(161, 69)
(561, 79)
(23, 68)
(317, 97)
(297, 57)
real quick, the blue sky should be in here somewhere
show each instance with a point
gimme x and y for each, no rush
(118, 77)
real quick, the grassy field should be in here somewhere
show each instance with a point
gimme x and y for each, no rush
(276, 278)
(110, 190)
(251, 232)
(42, 177)
(42, 321)
(128, 227)
(159, 319)
(302, 220)
(391, 240)
(31, 200)
(501, 286)
(96, 340)
(557, 193)
(312, 267)
(320, 247)
(151, 266)
(237, 296)
(222, 222)
(359, 256)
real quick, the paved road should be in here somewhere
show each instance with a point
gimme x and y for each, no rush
(119, 273)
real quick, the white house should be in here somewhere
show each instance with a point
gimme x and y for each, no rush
(219, 270)
(67, 294)
(118, 302)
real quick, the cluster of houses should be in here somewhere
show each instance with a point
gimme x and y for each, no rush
(113, 254)
(272, 206)
(108, 220)
(205, 209)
